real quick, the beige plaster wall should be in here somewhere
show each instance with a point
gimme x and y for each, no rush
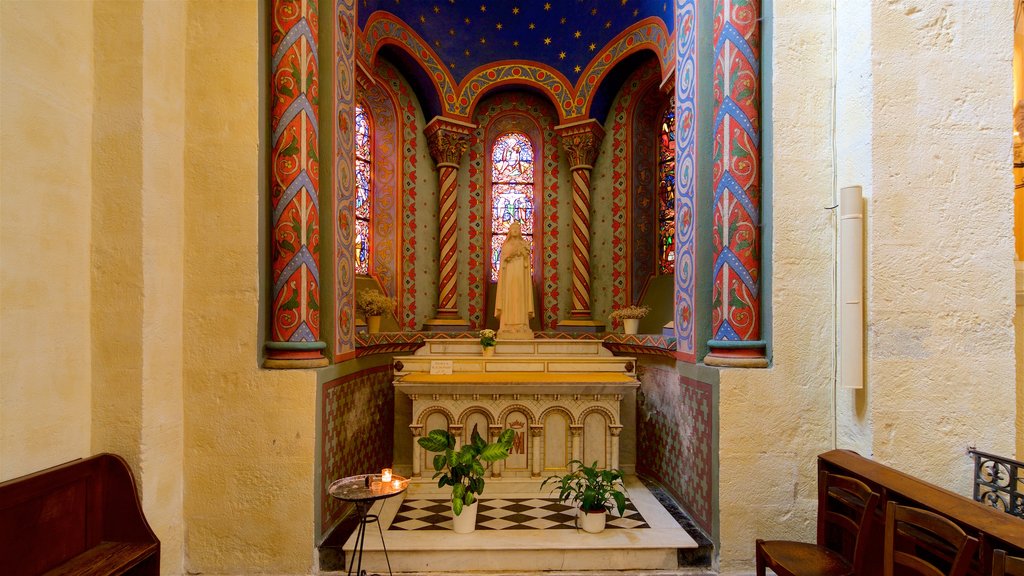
(935, 140)
(46, 104)
(137, 242)
(773, 422)
(249, 433)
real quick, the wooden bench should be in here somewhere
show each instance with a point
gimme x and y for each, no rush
(83, 517)
(993, 528)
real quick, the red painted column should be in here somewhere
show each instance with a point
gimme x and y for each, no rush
(448, 140)
(736, 221)
(294, 187)
(580, 141)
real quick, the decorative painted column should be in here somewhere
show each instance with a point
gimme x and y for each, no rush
(684, 322)
(580, 141)
(294, 188)
(576, 441)
(448, 140)
(615, 431)
(736, 221)
(494, 431)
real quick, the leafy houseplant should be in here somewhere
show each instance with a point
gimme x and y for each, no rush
(591, 489)
(464, 469)
(487, 338)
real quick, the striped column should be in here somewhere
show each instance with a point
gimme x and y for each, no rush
(294, 186)
(448, 140)
(580, 141)
(736, 220)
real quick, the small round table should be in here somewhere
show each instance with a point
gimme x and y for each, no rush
(363, 490)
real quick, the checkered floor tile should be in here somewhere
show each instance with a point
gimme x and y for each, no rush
(505, 514)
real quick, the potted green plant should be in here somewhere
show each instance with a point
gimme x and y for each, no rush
(592, 491)
(630, 317)
(488, 338)
(373, 304)
(464, 469)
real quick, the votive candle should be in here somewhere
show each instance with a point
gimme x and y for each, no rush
(385, 475)
(396, 483)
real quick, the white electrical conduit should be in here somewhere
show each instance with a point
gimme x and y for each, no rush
(851, 287)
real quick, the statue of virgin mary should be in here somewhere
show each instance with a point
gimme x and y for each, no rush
(513, 303)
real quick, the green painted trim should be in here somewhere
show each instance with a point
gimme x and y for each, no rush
(296, 345)
(704, 195)
(736, 344)
(767, 174)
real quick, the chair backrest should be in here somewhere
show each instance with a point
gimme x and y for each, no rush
(1003, 565)
(846, 511)
(922, 542)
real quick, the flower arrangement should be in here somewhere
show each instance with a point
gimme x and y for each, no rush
(630, 312)
(373, 303)
(487, 338)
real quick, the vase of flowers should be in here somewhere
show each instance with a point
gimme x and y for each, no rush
(373, 304)
(488, 339)
(630, 317)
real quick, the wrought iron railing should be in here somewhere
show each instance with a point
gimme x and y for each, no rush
(999, 482)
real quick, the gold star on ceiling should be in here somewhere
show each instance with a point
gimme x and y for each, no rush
(437, 9)
(451, 31)
(437, 43)
(624, 2)
(593, 11)
(451, 65)
(466, 52)
(498, 26)
(515, 43)
(547, 6)
(483, 40)
(592, 46)
(467, 20)
(423, 19)
(515, 10)
(635, 12)
(562, 21)
(483, 8)
(576, 69)
(547, 41)
(578, 34)
(532, 26)
(608, 24)
(561, 55)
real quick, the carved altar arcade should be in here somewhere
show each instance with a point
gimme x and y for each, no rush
(566, 400)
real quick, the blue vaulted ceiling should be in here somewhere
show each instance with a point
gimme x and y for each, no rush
(562, 34)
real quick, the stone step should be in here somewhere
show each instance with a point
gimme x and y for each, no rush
(505, 540)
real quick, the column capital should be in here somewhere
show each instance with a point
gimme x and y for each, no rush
(448, 139)
(580, 141)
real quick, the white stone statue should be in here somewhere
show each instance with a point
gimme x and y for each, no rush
(513, 304)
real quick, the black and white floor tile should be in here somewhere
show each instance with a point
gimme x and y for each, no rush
(505, 514)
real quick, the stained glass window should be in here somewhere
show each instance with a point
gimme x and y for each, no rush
(667, 192)
(511, 191)
(364, 202)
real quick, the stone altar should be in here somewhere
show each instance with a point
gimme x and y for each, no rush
(566, 399)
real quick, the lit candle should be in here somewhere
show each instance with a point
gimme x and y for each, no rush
(396, 483)
(385, 475)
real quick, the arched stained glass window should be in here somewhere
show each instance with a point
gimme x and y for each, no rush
(364, 180)
(667, 192)
(511, 191)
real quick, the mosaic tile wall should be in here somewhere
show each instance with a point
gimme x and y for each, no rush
(675, 416)
(358, 413)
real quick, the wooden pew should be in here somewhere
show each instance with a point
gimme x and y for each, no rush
(993, 528)
(83, 517)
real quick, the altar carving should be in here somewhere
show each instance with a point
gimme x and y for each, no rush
(563, 398)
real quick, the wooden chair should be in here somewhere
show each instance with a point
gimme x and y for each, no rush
(921, 542)
(1003, 565)
(846, 508)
